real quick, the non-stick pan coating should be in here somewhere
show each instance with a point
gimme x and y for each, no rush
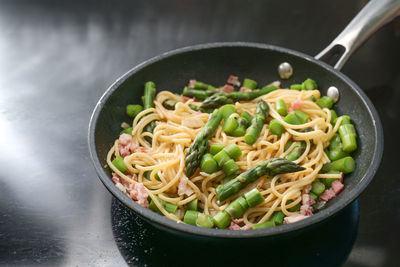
(213, 63)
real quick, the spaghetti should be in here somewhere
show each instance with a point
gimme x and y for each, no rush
(175, 131)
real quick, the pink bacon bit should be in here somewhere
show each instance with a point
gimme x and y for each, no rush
(297, 104)
(294, 218)
(328, 194)
(183, 187)
(237, 221)
(337, 186)
(115, 178)
(140, 195)
(185, 98)
(307, 200)
(236, 227)
(192, 83)
(227, 88)
(234, 80)
(125, 141)
(245, 89)
(306, 210)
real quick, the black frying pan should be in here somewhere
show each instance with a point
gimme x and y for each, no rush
(213, 63)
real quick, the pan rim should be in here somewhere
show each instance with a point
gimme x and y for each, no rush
(163, 222)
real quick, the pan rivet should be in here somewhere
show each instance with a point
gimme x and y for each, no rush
(333, 93)
(285, 70)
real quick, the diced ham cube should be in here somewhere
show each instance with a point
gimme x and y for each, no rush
(294, 218)
(139, 194)
(307, 189)
(297, 104)
(183, 187)
(115, 178)
(245, 89)
(234, 80)
(307, 200)
(125, 141)
(337, 186)
(327, 194)
(227, 88)
(237, 221)
(306, 210)
(185, 98)
(234, 226)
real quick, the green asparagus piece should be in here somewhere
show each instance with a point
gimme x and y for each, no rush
(276, 127)
(191, 217)
(292, 118)
(118, 162)
(222, 219)
(148, 98)
(325, 102)
(257, 123)
(281, 107)
(298, 87)
(302, 116)
(309, 84)
(270, 167)
(230, 125)
(133, 110)
(233, 151)
(215, 148)
(245, 115)
(345, 165)
(348, 135)
(208, 164)
(221, 157)
(237, 207)
(267, 224)
(241, 129)
(227, 110)
(253, 197)
(249, 83)
(200, 144)
(204, 220)
(192, 205)
(297, 151)
(230, 167)
(221, 98)
(317, 188)
(313, 196)
(277, 217)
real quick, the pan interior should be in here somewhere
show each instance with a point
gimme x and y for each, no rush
(213, 64)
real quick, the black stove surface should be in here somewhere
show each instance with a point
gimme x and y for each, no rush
(58, 57)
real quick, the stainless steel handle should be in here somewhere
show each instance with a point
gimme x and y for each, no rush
(373, 16)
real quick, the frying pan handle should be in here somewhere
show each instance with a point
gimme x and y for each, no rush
(373, 16)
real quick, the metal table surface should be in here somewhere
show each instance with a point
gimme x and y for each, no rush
(58, 57)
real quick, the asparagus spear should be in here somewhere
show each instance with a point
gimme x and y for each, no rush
(257, 123)
(148, 98)
(198, 94)
(270, 167)
(297, 151)
(220, 98)
(200, 144)
(170, 105)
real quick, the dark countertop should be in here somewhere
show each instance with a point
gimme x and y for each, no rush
(57, 59)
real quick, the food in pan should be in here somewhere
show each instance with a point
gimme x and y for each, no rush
(236, 157)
